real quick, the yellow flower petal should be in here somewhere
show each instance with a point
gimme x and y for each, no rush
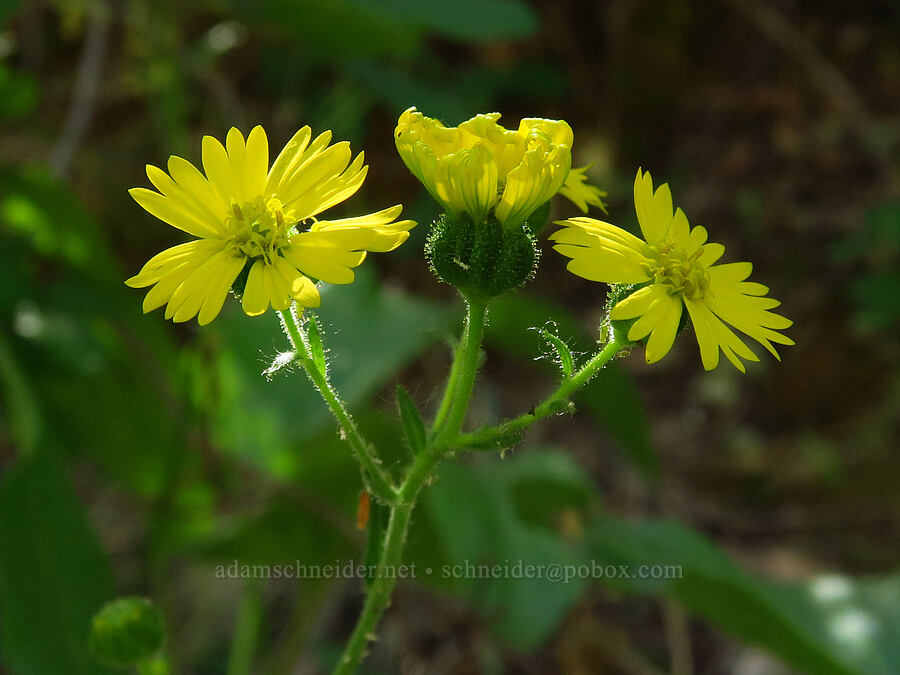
(287, 159)
(327, 256)
(237, 156)
(296, 186)
(666, 326)
(172, 212)
(220, 284)
(256, 162)
(188, 298)
(702, 320)
(180, 198)
(194, 184)
(217, 168)
(372, 232)
(256, 293)
(580, 192)
(636, 304)
(654, 210)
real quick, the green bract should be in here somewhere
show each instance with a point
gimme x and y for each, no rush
(482, 260)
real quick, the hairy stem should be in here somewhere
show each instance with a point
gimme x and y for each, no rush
(378, 597)
(377, 480)
(466, 363)
(449, 419)
(449, 391)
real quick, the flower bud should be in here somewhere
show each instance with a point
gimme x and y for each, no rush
(126, 632)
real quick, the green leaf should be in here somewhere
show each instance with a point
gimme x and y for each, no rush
(491, 514)
(561, 349)
(316, 349)
(707, 583)
(464, 20)
(23, 414)
(413, 426)
(337, 30)
(53, 572)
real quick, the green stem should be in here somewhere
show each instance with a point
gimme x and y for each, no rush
(466, 363)
(448, 421)
(379, 594)
(155, 665)
(377, 480)
(550, 406)
(449, 391)
(246, 634)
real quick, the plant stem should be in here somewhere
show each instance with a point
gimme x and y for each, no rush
(246, 634)
(379, 593)
(449, 391)
(377, 480)
(466, 362)
(550, 406)
(449, 419)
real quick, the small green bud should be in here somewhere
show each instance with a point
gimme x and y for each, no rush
(126, 632)
(482, 260)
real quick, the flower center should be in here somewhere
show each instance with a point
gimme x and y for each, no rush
(258, 229)
(679, 271)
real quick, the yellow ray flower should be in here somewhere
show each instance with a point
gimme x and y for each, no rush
(480, 167)
(246, 217)
(676, 268)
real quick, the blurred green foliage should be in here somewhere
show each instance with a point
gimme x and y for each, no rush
(138, 456)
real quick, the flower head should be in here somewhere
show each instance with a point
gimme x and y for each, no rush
(675, 268)
(251, 219)
(479, 167)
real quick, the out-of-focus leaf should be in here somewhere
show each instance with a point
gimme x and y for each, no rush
(18, 92)
(337, 29)
(613, 399)
(706, 582)
(37, 206)
(101, 380)
(23, 414)
(859, 618)
(610, 397)
(53, 572)
(104, 392)
(464, 20)
(478, 517)
(877, 297)
(401, 90)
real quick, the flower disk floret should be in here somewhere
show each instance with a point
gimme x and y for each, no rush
(674, 267)
(258, 225)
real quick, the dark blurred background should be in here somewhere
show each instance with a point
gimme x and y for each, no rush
(137, 455)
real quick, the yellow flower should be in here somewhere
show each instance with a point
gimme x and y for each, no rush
(480, 167)
(676, 268)
(246, 218)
